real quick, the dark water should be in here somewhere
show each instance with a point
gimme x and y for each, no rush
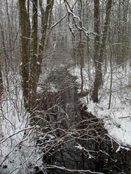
(80, 144)
(73, 140)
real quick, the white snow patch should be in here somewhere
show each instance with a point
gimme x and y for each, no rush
(18, 138)
(87, 77)
(117, 119)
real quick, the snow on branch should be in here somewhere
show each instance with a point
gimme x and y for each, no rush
(71, 170)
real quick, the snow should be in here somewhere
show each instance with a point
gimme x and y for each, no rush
(75, 71)
(53, 88)
(117, 119)
(18, 139)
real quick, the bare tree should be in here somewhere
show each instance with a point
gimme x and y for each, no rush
(31, 67)
(99, 49)
(96, 49)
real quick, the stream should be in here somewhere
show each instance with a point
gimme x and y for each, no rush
(77, 141)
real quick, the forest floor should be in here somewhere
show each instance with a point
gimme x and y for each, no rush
(117, 118)
(18, 139)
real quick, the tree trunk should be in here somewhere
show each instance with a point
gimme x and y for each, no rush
(96, 49)
(34, 75)
(81, 49)
(44, 30)
(111, 79)
(32, 51)
(98, 57)
(1, 92)
(25, 35)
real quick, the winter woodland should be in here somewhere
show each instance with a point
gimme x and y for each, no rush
(65, 87)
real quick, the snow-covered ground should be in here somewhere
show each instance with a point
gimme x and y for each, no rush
(117, 119)
(18, 139)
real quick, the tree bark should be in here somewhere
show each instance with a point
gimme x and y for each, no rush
(25, 39)
(34, 75)
(99, 50)
(96, 49)
(1, 92)
(44, 30)
(32, 51)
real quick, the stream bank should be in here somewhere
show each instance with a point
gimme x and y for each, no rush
(77, 141)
